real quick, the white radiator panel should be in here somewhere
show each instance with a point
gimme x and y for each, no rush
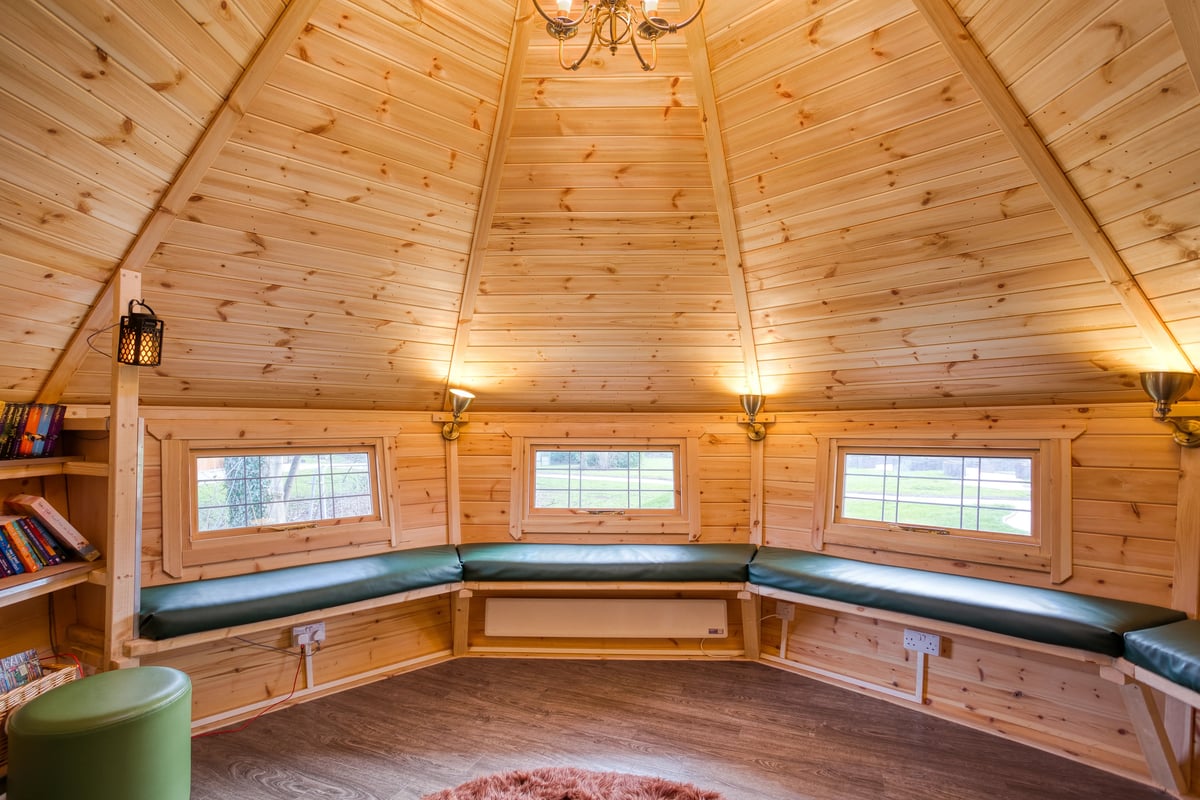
(591, 617)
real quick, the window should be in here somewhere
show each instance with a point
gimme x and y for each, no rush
(920, 491)
(275, 490)
(1002, 500)
(605, 479)
(240, 499)
(629, 490)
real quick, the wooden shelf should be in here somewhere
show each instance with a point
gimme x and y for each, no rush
(18, 588)
(54, 465)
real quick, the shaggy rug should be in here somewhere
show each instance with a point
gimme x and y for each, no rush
(568, 783)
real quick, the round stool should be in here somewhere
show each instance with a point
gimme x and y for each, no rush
(121, 735)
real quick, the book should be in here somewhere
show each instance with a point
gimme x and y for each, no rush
(28, 435)
(19, 669)
(23, 550)
(8, 427)
(56, 523)
(49, 556)
(35, 530)
(9, 555)
(53, 429)
(13, 444)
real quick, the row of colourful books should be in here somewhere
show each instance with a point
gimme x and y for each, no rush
(19, 669)
(37, 536)
(29, 430)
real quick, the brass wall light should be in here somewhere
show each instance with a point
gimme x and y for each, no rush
(460, 400)
(140, 342)
(752, 404)
(1165, 388)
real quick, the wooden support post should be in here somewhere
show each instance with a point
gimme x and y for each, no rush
(453, 496)
(757, 475)
(1156, 745)
(750, 617)
(123, 552)
(1186, 593)
(460, 620)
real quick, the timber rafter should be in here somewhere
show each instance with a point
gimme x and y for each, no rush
(1062, 194)
(274, 46)
(514, 72)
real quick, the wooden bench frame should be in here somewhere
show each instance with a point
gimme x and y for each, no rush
(747, 601)
(1164, 734)
(136, 648)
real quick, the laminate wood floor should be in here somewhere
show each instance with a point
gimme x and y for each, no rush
(745, 730)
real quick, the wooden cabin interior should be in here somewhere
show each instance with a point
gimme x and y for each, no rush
(956, 229)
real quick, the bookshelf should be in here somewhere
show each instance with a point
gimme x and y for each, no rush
(19, 588)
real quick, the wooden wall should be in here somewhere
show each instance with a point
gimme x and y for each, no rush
(418, 476)
(1128, 540)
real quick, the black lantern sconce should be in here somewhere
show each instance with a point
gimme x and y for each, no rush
(141, 339)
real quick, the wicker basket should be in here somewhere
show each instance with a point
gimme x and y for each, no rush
(52, 675)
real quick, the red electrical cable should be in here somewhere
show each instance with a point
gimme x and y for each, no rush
(246, 724)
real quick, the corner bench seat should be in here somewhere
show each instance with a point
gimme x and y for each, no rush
(1049, 616)
(181, 608)
(1170, 651)
(576, 563)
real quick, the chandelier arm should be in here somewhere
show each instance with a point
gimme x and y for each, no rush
(574, 66)
(671, 27)
(564, 22)
(653, 51)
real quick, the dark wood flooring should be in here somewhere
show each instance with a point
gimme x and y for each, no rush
(745, 730)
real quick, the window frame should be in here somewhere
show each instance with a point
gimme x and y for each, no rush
(1047, 550)
(679, 524)
(532, 510)
(1034, 456)
(184, 545)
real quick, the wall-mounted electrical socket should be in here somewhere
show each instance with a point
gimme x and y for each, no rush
(919, 641)
(786, 611)
(308, 634)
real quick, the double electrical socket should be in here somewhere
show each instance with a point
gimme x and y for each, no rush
(921, 642)
(308, 634)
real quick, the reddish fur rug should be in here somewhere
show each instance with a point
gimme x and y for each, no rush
(567, 783)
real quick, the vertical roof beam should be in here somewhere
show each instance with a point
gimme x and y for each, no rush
(718, 167)
(514, 73)
(1011, 119)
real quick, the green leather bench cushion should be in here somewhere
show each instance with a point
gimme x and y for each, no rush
(519, 561)
(179, 608)
(1042, 615)
(1172, 651)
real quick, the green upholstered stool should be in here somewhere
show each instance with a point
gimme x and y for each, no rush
(121, 735)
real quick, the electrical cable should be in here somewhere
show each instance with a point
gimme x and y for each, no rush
(262, 646)
(272, 707)
(93, 335)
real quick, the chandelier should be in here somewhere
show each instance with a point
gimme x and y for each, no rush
(613, 22)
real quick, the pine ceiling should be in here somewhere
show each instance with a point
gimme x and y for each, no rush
(847, 204)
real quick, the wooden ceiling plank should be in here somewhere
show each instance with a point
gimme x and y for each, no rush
(1062, 194)
(289, 25)
(1185, 16)
(510, 90)
(718, 166)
